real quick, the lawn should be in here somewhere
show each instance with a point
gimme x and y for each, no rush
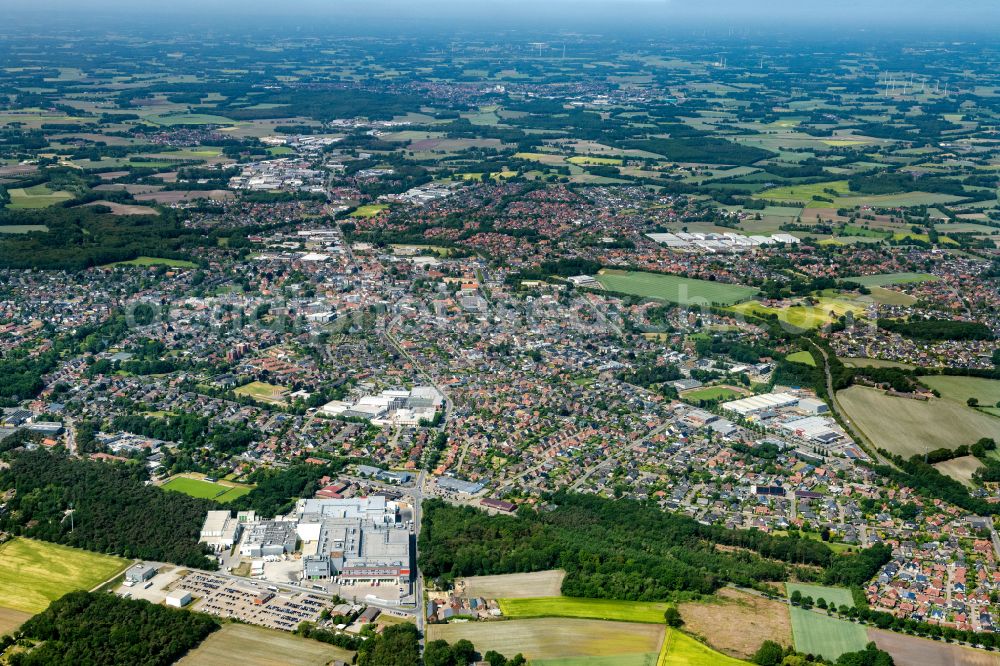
(369, 210)
(541, 639)
(803, 357)
(156, 261)
(263, 391)
(34, 573)
(674, 289)
(960, 389)
(884, 279)
(909, 427)
(256, 646)
(220, 492)
(38, 196)
(599, 609)
(679, 649)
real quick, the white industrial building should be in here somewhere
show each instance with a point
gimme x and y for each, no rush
(760, 403)
(813, 428)
(178, 598)
(221, 530)
(390, 407)
(361, 541)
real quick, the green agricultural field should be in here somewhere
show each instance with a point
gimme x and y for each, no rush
(598, 161)
(598, 609)
(883, 279)
(21, 228)
(960, 389)
(674, 289)
(679, 649)
(34, 573)
(817, 633)
(845, 198)
(171, 119)
(541, 639)
(910, 427)
(841, 596)
(220, 492)
(803, 357)
(156, 261)
(874, 363)
(38, 196)
(264, 392)
(369, 210)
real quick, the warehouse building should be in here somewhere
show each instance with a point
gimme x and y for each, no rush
(756, 404)
(361, 541)
(140, 573)
(268, 538)
(220, 530)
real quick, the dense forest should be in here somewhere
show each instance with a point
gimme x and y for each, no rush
(610, 549)
(114, 511)
(85, 629)
(937, 329)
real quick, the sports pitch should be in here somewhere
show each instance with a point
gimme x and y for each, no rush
(673, 288)
(219, 492)
(35, 573)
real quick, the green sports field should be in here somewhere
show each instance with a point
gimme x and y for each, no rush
(598, 609)
(673, 288)
(817, 633)
(206, 489)
(370, 210)
(712, 393)
(34, 573)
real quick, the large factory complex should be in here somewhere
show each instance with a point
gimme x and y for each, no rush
(349, 542)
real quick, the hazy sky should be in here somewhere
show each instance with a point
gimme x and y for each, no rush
(639, 13)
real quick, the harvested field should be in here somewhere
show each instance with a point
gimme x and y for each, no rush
(172, 196)
(514, 586)
(11, 619)
(125, 209)
(739, 622)
(914, 651)
(256, 646)
(555, 638)
(960, 469)
(909, 427)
